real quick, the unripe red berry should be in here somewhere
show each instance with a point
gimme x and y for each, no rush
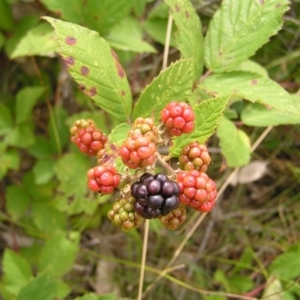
(197, 190)
(178, 118)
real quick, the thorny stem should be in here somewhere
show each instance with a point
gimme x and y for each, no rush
(203, 215)
(146, 231)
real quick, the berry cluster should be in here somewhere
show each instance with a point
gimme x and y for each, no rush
(87, 137)
(194, 157)
(123, 215)
(155, 195)
(103, 179)
(178, 118)
(197, 190)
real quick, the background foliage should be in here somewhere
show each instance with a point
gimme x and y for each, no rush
(56, 241)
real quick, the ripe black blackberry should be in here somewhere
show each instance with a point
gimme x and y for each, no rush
(155, 195)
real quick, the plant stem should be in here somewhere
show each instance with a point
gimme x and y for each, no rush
(143, 262)
(146, 231)
(203, 215)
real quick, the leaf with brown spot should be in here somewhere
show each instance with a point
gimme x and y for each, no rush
(98, 72)
(264, 91)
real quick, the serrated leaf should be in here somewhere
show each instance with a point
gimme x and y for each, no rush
(25, 101)
(17, 271)
(17, 201)
(58, 255)
(252, 87)
(95, 67)
(251, 66)
(281, 265)
(6, 121)
(119, 134)
(127, 35)
(259, 115)
(174, 83)
(189, 35)
(21, 136)
(42, 287)
(10, 160)
(238, 29)
(207, 114)
(39, 40)
(235, 144)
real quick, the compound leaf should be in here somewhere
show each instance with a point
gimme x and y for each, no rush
(238, 29)
(96, 68)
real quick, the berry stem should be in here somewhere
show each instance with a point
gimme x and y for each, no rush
(165, 164)
(143, 262)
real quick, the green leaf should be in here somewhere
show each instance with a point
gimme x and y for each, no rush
(69, 10)
(251, 66)
(47, 218)
(25, 101)
(69, 170)
(240, 284)
(43, 170)
(21, 30)
(95, 67)
(6, 121)
(58, 130)
(174, 83)
(103, 15)
(259, 115)
(281, 265)
(59, 254)
(189, 35)
(98, 15)
(17, 201)
(21, 136)
(252, 87)
(157, 23)
(41, 149)
(39, 40)
(10, 160)
(235, 144)
(138, 7)
(207, 114)
(6, 17)
(127, 35)
(119, 134)
(238, 29)
(17, 272)
(42, 287)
